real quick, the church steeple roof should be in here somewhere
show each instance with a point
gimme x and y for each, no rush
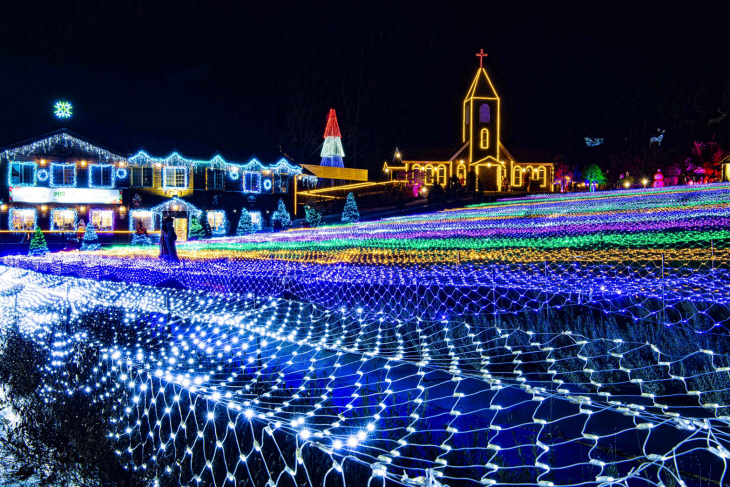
(482, 86)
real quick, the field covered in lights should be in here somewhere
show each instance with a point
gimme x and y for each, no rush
(575, 339)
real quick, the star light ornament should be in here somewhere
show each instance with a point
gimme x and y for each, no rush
(63, 109)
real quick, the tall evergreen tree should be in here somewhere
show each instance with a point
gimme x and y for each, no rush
(38, 245)
(245, 223)
(91, 240)
(350, 214)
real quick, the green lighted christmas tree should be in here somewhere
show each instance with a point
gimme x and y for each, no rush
(245, 223)
(314, 218)
(282, 215)
(350, 214)
(91, 241)
(38, 244)
(195, 232)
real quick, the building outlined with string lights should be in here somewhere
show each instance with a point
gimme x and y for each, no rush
(481, 150)
(58, 179)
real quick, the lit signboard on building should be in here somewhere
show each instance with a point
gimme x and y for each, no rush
(65, 195)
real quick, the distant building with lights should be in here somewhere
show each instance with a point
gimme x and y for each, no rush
(481, 150)
(58, 179)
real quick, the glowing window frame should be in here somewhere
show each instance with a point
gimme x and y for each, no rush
(52, 182)
(459, 169)
(165, 169)
(210, 174)
(59, 210)
(24, 210)
(101, 167)
(222, 230)
(255, 186)
(151, 214)
(101, 210)
(484, 139)
(429, 175)
(22, 185)
(517, 176)
(441, 175)
(542, 175)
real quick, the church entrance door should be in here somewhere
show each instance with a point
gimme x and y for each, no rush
(488, 178)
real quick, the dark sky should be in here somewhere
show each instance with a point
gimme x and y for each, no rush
(246, 78)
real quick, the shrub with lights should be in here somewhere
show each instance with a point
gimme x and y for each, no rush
(91, 239)
(313, 217)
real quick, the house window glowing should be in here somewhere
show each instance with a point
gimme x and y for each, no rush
(22, 174)
(484, 139)
(484, 114)
(141, 177)
(442, 175)
(103, 220)
(517, 176)
(217, 222)
(145, 217)
(252, 182)
(63, 220)
(63, 175)
(175, 177)
(541, 175)
(100, 176)
(22, 219)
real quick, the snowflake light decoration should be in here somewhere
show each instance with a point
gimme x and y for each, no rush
(63, 109)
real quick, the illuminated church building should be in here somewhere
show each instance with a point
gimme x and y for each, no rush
(496, 168)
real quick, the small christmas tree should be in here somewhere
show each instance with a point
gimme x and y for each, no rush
(195, 232)
(245, 223)
(314, 218)
(38, 244)
(281, 214)
(350, 213)
(91, 241)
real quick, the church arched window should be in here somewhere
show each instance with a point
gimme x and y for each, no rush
(541, 176)
(517, 176)
(461, 173)
(484, 139)
(484, 114)
(429, 174)
(442, 175)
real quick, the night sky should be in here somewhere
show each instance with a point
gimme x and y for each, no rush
(245, 78)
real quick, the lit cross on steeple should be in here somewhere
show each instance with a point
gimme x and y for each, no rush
(481, 55)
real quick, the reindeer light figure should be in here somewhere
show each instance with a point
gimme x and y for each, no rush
(658, 138)
(717, 120)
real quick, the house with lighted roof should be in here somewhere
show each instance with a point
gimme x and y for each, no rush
(481, 150)
(59, 179)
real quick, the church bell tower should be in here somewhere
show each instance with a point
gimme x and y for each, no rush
(480, 118)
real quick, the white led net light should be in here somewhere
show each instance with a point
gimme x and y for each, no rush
(222, 389)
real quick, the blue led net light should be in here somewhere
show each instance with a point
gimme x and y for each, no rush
(573, 372)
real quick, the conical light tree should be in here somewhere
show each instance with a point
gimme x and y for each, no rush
(332, 151)
(91, 240)
(195, 232)
(350, 214)
(281, 214)
(38, 245)
(245, 223)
